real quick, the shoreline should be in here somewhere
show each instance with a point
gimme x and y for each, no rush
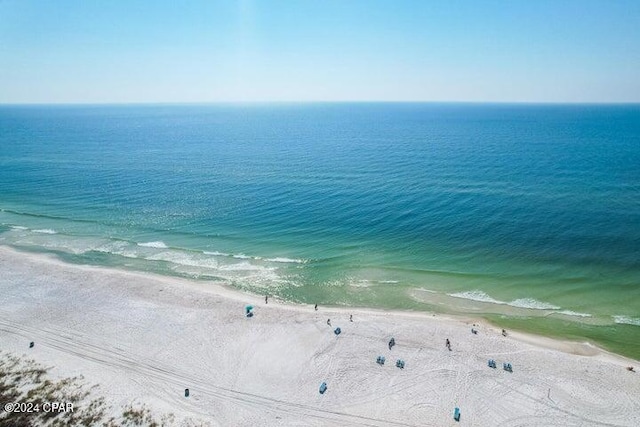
(585, 348)
(146, 337)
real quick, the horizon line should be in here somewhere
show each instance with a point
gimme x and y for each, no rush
(249, 102)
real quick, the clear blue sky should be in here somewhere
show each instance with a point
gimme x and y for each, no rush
(299, 50)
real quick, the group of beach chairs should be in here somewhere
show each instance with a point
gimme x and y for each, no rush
(381, 359)
(506, 366)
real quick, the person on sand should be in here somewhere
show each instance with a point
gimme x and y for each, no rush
(329, 322)
(351, 318)
(504, 333)
(448, 344)
(266, 299)
(316, 307)
(630, 369)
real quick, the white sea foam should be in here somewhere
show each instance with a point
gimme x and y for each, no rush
(185, 259)
(476, 296)
(257, 258)
(224, 254)
(285, 260)
(215, 253)
(528, 303)
(18, 227)
(573, 313)
(425, 290)
(365, 283)
(157, 244)
(532, 304)
(45, 231)
(360, 284)
(243, 266)
(627, 320)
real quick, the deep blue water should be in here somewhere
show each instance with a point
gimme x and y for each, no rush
(519, 210)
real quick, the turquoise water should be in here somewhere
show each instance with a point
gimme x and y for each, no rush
(526, 214)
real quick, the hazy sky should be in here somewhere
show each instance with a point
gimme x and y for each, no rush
(297, 50)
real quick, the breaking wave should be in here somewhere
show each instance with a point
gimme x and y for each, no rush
(528, 303)
(42, 230)
(157, 245)
(626, 320)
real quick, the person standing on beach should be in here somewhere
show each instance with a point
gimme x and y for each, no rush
(351, 318)
(316, 307)
(329, 322)
(266, 299)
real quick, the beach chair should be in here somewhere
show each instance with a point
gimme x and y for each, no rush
(380, 360)
(492, 363)
(456, 414)
(323, 388)
(507, 367)
(337, 331)
(400, 363)
(474, 331)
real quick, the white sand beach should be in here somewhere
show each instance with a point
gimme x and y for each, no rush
(144, 338)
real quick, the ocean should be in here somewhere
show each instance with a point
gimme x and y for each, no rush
(526, 215)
